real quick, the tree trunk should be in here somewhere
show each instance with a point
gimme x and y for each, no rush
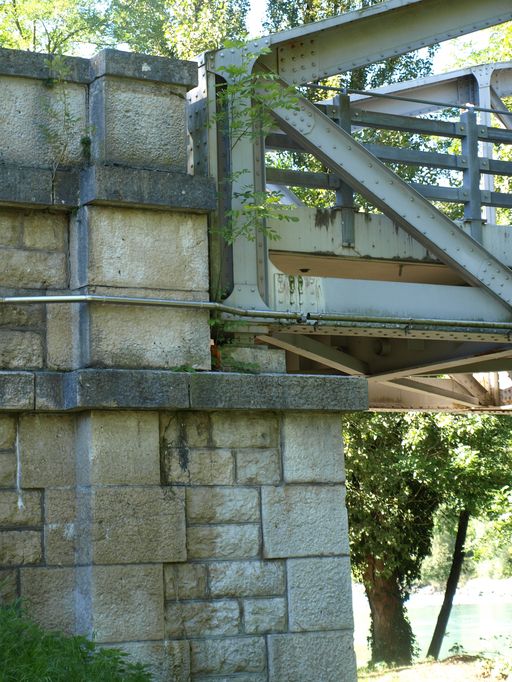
(451, 586)
(391, 634)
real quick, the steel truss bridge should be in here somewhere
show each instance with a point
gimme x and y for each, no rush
(418, 303)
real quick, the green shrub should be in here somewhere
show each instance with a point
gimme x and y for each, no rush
(30, 654)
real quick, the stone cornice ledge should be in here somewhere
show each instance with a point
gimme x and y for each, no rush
(104, 389)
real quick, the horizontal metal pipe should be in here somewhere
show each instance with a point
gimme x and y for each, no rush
(302, 317)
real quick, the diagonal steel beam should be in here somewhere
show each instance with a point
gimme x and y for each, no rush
(441, 366)
(498, 103)
(317, 351)
(434, 389)
(474, 387)
(369, 176)
(387, 29)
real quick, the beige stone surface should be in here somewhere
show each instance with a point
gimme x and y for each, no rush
(47, 449)
(202, 618)
(35, 130)
(32, 269)
(258, 466)
(241, 677)
(222, 505)
(61, 528)
(312, 448)
(198, 467)
(8, 586)
(62, 336)
(127, 602)
(168, 661)
(186, 581)
(256, 359)
(49, 594)
(262, 616)
(135, 525)
(19, 547)
(7, 469)
(20, 349)
(244, 430)
(119, 448)
(7, 432)
(139, 336)
(161, 140)
(318, 656)
(247, 578)
(228, 655)
(190, 429)
(11, 227)
(223, 542)
(304, 520)
(45, 231)
(20, 510)
(320, 594)
(22, 316)
(175, 248)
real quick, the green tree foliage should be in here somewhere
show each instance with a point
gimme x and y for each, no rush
(401, 468)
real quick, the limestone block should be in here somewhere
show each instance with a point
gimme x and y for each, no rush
(29, 513)
(11, 222)
(202, 618)
(62, 342)
(247, 677)
(133, 525)
(228, 655)
(244, 430)
(304, 520)
(185, 581)
(45, 231)
(20, 350)
(20, 268)
(126, 602)
(167, 661)
(257, 466)
(256, 359)
(222, 505)
(264, 615)
(198, 467)
(223, 542)
(47, 450)
(41, 125)
(320, 594)
(139, 123)
(7, 432)
(175, 248)
(141, 336)
(247, 578)
(119, 448)
(20, 547)
(319, 656)
(8, 587)
(61, 528)
(179, 429)
(22, 316)
(49, 594)
(312, 448)
(7, 469)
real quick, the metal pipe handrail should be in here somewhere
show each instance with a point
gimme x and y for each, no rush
(300, 317)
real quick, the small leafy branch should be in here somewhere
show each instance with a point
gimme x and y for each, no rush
(244, 110)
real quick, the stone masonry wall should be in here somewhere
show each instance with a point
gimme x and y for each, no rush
(195, 519)
(210, 544)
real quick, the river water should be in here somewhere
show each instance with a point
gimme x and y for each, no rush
(480, 621)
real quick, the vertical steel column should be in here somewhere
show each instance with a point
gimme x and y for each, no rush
(345, 194)
(471, 174)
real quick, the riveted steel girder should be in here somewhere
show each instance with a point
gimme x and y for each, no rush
(365, 173)
(387, 29)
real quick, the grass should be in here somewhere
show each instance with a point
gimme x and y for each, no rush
(30, 654)
(461, 668)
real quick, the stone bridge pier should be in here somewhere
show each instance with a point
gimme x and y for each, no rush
(195, 519)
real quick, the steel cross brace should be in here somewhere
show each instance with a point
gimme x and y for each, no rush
(367, 175)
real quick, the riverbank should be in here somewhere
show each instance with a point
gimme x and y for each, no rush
(454, 669)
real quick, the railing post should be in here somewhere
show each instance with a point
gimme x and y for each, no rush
(471, 174)
(344, 194)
